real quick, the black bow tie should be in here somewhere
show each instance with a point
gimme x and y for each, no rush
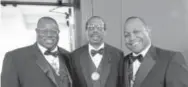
(48, 52)
(139, 58)
(94, 52)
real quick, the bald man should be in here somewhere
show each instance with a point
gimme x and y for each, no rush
(148, 65)
(96, 63)
(42, 64)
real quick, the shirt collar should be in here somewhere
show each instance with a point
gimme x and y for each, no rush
(92, 48)
(143, 53)
(43, 49)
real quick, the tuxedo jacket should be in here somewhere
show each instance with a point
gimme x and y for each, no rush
(160, 68)
(27, 67)
(109, 74)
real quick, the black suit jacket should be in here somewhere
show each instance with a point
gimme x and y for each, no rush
(109, 73)
(160, 68)
(27, 67)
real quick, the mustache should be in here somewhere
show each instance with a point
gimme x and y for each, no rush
(132, 43)
(95, 34)
(49, 37)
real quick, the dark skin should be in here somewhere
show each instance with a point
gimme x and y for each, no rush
(95, 32)
(47, 32)
(137, 35)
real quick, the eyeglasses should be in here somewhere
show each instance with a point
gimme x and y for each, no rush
(93, 27)
(47, 31)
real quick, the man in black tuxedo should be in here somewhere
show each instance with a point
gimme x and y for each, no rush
(43, 64)
(147, 65)
(96, 63)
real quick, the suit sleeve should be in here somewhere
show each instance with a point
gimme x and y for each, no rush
(9, 77)
(120, 71)
(76, 81)
(177, 73)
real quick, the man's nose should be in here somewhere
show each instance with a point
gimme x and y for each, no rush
(132, 36)
(95, 30)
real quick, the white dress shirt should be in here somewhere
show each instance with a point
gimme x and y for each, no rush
(98, 57)
(136, 63)
(53, 61)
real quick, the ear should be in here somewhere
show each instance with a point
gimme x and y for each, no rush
(148, 29)
(105, 33)
(59, 31)
(36, 30)
(86, 34)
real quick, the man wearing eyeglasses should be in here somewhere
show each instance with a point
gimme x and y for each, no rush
(96, 63)
(43, 64)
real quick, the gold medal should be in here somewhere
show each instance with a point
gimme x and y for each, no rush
(95, 76)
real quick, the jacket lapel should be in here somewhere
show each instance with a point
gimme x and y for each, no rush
(64, 62)
(44, 66)
(145, 67)
(85, 66)
(106, 64)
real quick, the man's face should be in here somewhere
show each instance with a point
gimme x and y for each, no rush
(95, 31)
(136, 35)
(48, 35)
